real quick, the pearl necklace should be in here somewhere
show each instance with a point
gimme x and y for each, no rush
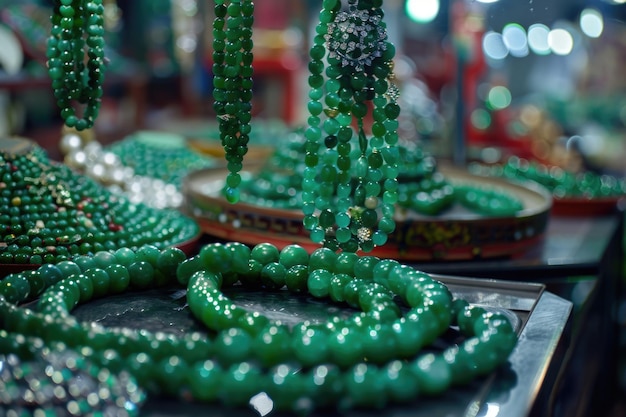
(351, 206)
(76, 23)
(232, 84)
(374, 357)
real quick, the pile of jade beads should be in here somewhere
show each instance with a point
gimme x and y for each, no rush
(378, 354)
(49, 213)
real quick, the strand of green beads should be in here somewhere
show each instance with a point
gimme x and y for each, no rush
(232, 84)
(76, 23)
(313, 133)
(367, 335)
(209, 369)
(351, 207)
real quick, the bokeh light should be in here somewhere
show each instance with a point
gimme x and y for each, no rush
(422, 11)
(493, 46)
(499, 97)
(514, 37)
(538, 39)
(591, 23)
(560, 41)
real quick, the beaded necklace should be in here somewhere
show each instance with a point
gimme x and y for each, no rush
(77, 25)
(232, 83)
(371, 358)
(351, 70)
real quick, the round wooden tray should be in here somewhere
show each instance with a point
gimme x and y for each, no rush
(458, 234)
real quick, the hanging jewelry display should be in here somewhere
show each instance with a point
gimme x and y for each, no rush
(349, 197)
(232, 84)
(75, 54)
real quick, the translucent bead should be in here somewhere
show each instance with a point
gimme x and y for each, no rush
(310, 223)
(317, 235)
(331, 126)
(344, 119)
(390, 197)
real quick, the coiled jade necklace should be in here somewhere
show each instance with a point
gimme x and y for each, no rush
(377, 355)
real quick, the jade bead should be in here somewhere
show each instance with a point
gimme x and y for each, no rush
(85, 285)
(51, 274)
(205, 380)
(125, 256)
(36, 282)
(85, 262)
(148, 253)
(379, 344)
(292, 255)
(467, 317)
(310, 344)
(100, 280)
(14, 288)
(273, 275)
(364, 267)
(265, 253)
(119, 278)
(253, 322)
(216, 257)
(408, 335)
(346, 346)
(297, 277)
(169, 259)
(337, 285)
(68, 268)
(239, 383)
(365, 387)
(323, 258)
(287, 387)
(141, 274)
(401, 384)
(187, 268)
(318, 282)
(433, 374)
(233, 345)
(271, 344)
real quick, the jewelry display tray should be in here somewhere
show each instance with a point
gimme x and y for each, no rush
(541, 319)
(455, 235)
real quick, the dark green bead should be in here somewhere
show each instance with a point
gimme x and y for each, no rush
(100, 280)
(297, 277)
(119, 278)
(322, 258)
(233, 345)
(141, 274)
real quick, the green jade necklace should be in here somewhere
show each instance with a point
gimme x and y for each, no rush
(351, 207)
(232, 84)
(377, 355)
(75, 55)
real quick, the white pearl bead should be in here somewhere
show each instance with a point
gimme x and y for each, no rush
(70, 142)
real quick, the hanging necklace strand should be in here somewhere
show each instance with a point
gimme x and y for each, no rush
(75, 54)
(350, 206)
(232, 84)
